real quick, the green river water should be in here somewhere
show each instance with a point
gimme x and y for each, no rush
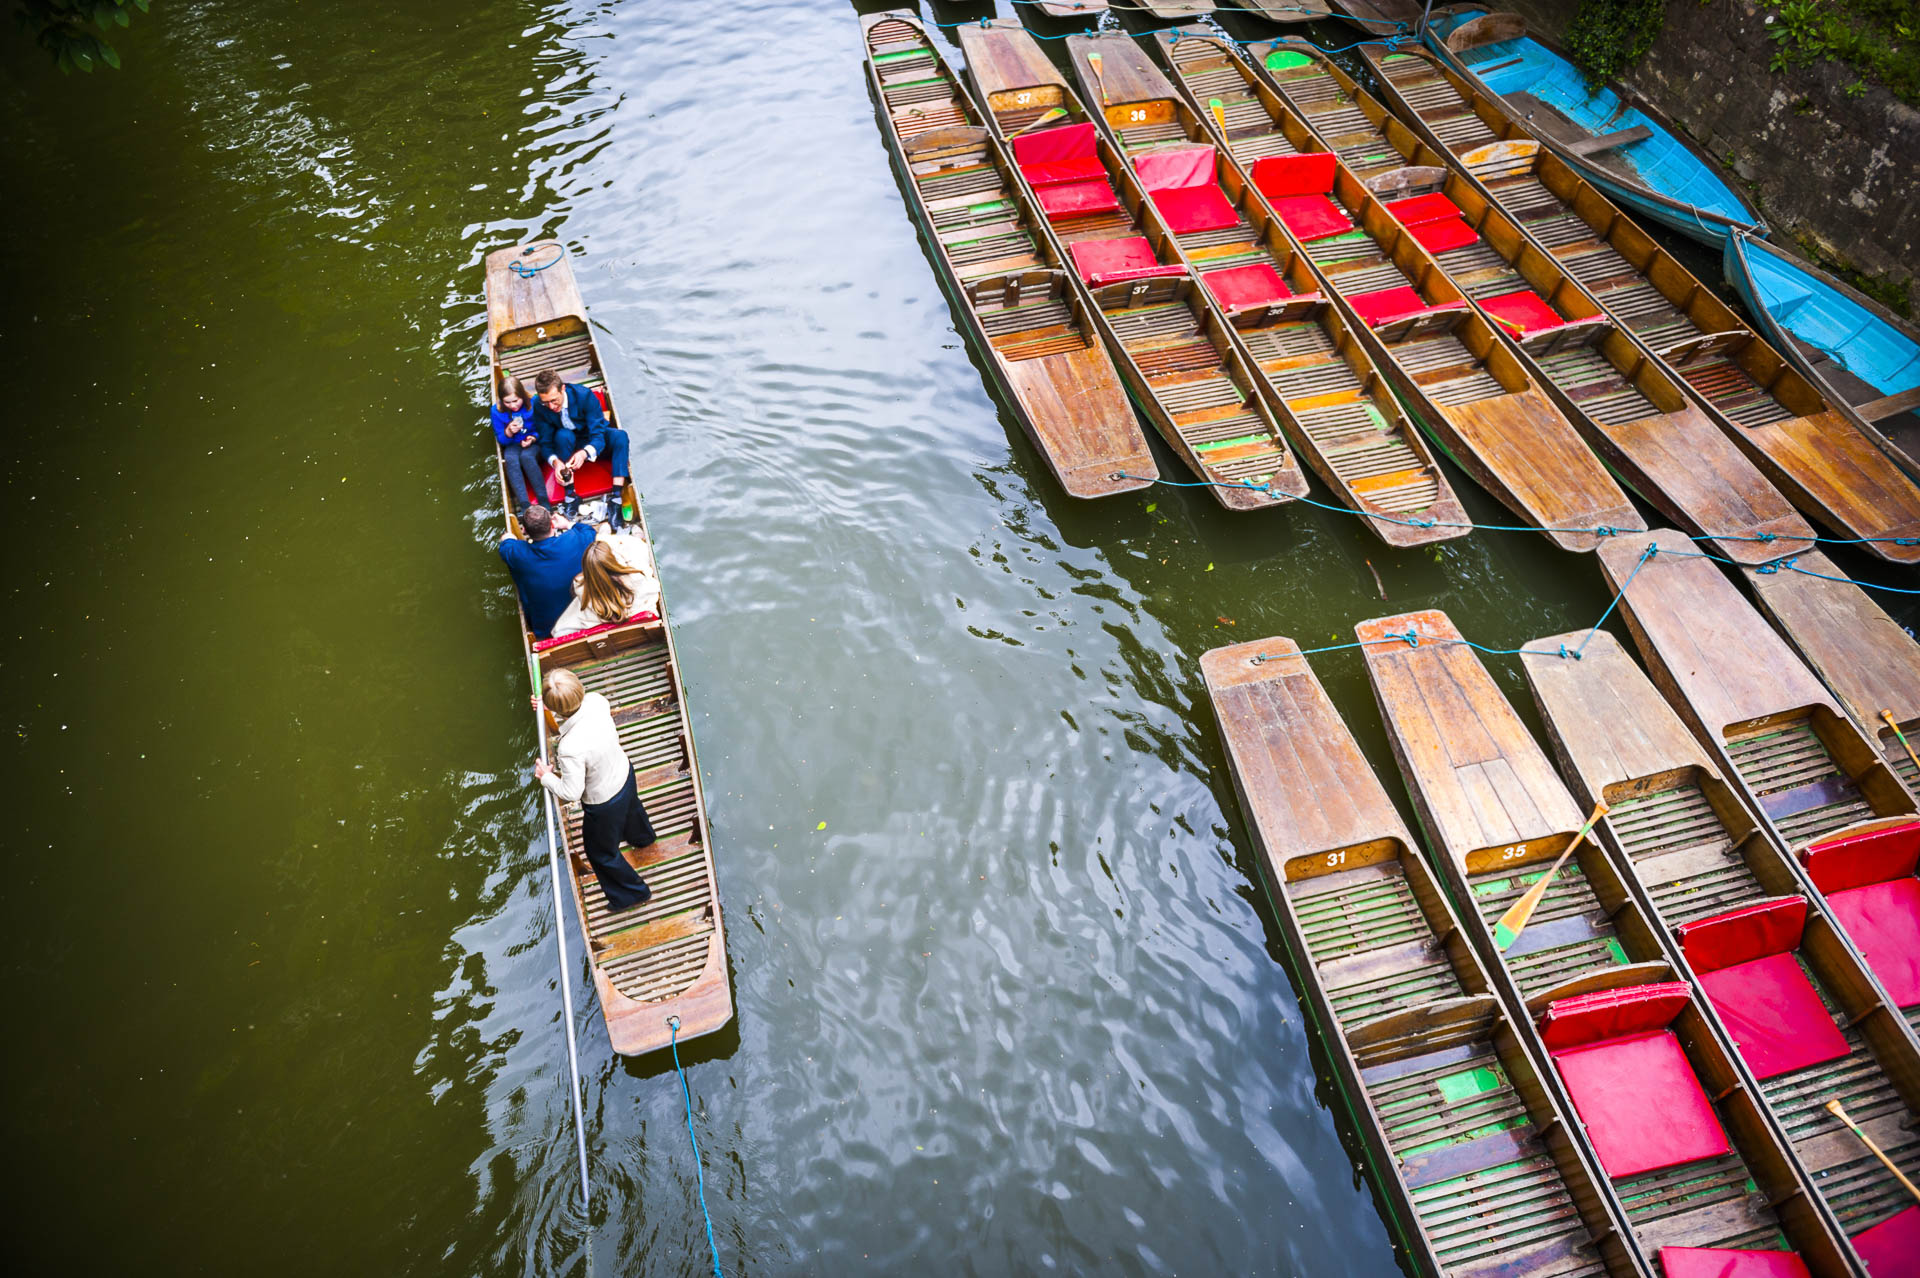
(281, 949)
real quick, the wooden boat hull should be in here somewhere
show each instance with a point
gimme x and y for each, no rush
(667, 958)
(1685, 846)
(1498, 814)
(1401, 997)
(1045, 356)
(1866, 657)
(1661, 175)
(1863, 357)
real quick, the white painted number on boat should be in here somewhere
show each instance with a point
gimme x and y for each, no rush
(1509, 853)
(1138, 113)
(1023, 98)
(1336, 858)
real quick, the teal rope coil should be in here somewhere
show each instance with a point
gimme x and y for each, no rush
(526, 272)
(673, 1026)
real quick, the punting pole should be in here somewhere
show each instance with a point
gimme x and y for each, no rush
(560, 940)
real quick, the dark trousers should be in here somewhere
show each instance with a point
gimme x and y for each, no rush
(524, 472)
(602, 828)
(615, 452)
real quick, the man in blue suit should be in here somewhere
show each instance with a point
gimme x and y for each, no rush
(573, 430)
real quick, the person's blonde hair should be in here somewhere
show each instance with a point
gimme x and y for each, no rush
(562, 692)
(603, 584)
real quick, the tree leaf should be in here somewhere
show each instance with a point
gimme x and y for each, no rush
(108, 55)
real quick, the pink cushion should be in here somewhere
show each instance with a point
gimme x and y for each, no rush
(1642, 1106)
(1390, 304)
(1523, 312)
(1891, 1249)
(1176, 167)
(1723, 1262)
(1883, 922)
(1279, 176)
(1075, 199)
(1603, 1014)
(1063, 142)
(1837, 864)
(1312, 217)
(1774, 1015)
(1433, 207)
(1444, 234)
(1245, 286)
(1742, 935)
(1188, 210)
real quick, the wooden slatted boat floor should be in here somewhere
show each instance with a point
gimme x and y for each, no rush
(1683, 854)
(1323, 97)
(1570, 934)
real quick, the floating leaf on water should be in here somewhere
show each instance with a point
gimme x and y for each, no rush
(821, 826)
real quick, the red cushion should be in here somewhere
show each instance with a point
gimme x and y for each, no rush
(1312, 217)
(1048, 172)
(1642, 1106)
(1176, 167)
(1074, 199)
(1523, 312)
(1891, 1249)
(590, 480)
(600, 393)
(1395, 303)
(1433, 207)
(1883, 922)
(1279, 176)
(1745, 934)
(1244, 286)
(1774, 1015)
(1723, 1262)
(1837, 864)
(1190, 209)
(1063, 142)
(1445, 234)
(1589, 1018)
(541, 645)
(1092, 257)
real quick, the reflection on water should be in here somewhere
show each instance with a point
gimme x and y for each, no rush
(282, 957)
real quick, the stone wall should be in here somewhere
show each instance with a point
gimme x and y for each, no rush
(1838, 173)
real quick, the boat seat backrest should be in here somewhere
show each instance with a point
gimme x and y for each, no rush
(1868, 880)
(1740, 936)
(1565, 337)
(1629, 1078)
(1176, 168)
(1705, 345)
(1874, 856)
(1117, 293)
(1746, 964)
(1435, 221)
(1068, 153)
(1401, 314)
(1731, 1262)
(1311, 173)
(1239, 288)
(1101, 262)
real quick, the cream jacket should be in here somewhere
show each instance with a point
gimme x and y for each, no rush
(589, 765)
(636, 557)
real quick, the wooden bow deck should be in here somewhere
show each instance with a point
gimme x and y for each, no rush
(1476, 1153)
(1026, 318)
(667, 958)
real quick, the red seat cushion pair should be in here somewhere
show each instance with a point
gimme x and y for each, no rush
(1111, 261)
(1746, 962)
(1297, 187)
(1391, 304)
(1063, 166)
(1435, 221)
(1630, 1080)
(1868, 880)
(1182, 182)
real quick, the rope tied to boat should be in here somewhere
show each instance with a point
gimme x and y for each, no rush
(526, 272)
(673, 1029)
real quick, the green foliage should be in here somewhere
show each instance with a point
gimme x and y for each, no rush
(1607, 37)
(61, 27)
(1880, 38)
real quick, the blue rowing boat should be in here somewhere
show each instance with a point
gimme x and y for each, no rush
(1614, 138)
(1863, 356)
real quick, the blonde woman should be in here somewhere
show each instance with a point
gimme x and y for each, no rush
(616, 582)
(590, 768)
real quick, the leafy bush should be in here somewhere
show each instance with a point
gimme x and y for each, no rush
(60, 27)
(1607, 37)
(1875, 37)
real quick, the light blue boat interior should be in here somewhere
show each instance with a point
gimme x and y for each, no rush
(1663, 162)
(1818, 314)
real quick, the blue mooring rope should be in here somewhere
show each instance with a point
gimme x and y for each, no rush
(526, 272)
(673, 1026)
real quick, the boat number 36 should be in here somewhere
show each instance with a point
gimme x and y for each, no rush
(1138, 113)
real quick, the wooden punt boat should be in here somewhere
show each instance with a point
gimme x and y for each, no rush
(667, 958)
(1775, 971)
(1069, 8)
(1618, 1035)
(1473, 1153)
(1626, 405)
(1862, 356)
(1306, 365)
(1172, 344)
(1617, 140)
(1288, 11)
(1028, 320)
(1443, 357)
(1863, 655)
(1166, 9)
(1835, 472)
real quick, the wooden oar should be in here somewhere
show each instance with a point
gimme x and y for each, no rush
(1514, 921)
(1094, 60)
(1833, 1107)
(1888, 716)
(1219, 110)
(1046, 117)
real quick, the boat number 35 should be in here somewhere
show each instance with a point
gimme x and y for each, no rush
(1509, 853)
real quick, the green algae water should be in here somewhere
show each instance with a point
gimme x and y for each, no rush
(280, 951)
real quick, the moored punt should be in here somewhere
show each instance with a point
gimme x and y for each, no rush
(1670, 1122)
(1776, 973)
(1617, 139)
(1070, 8)
(1862, 356)
(1474, 1154)
(1027, 317)
(1864, 656)
(1177, 8)
(1443, 356)
(1830, 468)
(668, 957)
(1289, 10)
